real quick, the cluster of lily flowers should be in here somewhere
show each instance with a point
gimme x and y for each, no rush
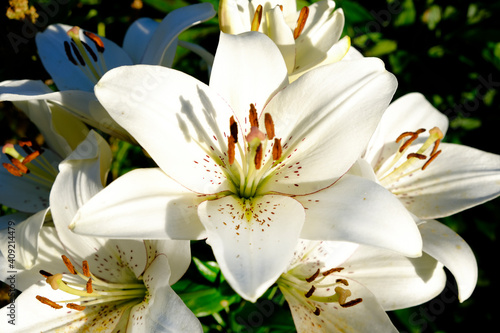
(293, 163)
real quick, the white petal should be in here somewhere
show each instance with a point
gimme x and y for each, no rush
(282, 36)
(361, 211)
(253, 242)
(163, 311)
(326, 130)
(144, 203)
(161, 47)
(138, 36)
(65, 74)
(21, 238)
(452, 251)
(397, 281)
(234, 16)
(180, 118)
(178, 253)
(459, 178)
(248, 68)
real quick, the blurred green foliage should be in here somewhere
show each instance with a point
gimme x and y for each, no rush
(447, 50)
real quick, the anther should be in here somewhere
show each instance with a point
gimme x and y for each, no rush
(301, 22)
(85, 268)
(343, 281)
(77, 54)
(351, 303)
(67, 49)
(432, 158)
(317, 311)
(254, 121)
(45, 274)
(99, 45)
(88, 286)
(31, 157)
(233, 127)
(68, 264)
(231, 149)
(257, 18)
(90, 51)
(268, 121)
(313, 277)
(48, 302)
(258, 156)
(74, 306)
(333, 270)
(277, 149)
(416, 155)
(310, 292)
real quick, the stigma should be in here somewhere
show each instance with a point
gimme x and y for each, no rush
(406, 163)
(81, 54)
(88, 288)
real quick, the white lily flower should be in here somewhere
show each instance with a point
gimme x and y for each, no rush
(340, 286)
(28, 173)
(432, 179)
(307, 39)
(250, 181)
(76, 60)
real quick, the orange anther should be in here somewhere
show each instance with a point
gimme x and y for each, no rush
(68, 264)
(48, 302)
(257, 18)
(301, 22)
(268, 121)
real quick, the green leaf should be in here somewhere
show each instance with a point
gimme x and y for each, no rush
(383, 47)
(209, 269)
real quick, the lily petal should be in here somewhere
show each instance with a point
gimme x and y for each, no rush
(360, 211)
(452, 251)
(460, 178)
(170, 209)
(138, 36)
(252, 247)
(326, 124)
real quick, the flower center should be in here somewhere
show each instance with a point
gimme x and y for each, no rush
(301, 21)
(80, 54)
(415, 161)
(259, 154)
(318, 288)
(33, 166)
(90, 289)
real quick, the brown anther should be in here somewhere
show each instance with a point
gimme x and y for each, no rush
(435, 148)
(12, 170)
(343, 281)
(99, 45)
(268, 121)
(45, 274)
(258, 157)
(230, 150)
(68, 264)
(77, 53)
(419, 156)
(408, 142)
(333, 270)
(85, 268)
(317, 311)
(351, 303)
(90, 51)
(313, 277)
(310, 292)
(67, 49)
(74, 306)
(88, 286)
(233, 128)
(301, 22)
(257, 18)
(432, 158)
(31, 157)
(254, 121)
(277, 149)
(48, 302)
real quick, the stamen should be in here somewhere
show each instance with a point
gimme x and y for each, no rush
(351, 303)
(333, 270)
(268, 121)
(313, 277)
(68, 264)
(75, 306)
(19, 165)
(317, 311)
(301, 22)
(99, 45)
(90, 51)
(47, 301)
(257, 18)
(77, 54)
(45, 274)
(233, 127)
(88, 286)
(419, 156)
(310, 292)
(343, 281)
(432, 158)
(231, 149)
(31, 157)
(12, 170)
(277, 149)
(258, 157)
(85, 268)
(254, 121)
